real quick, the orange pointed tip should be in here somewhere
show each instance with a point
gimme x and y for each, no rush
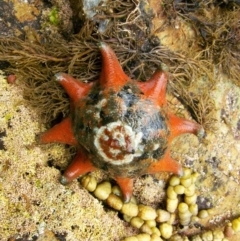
(155, 87)
(60, 133)
(105, 47)
(64, 180)
(166, 164)
(112, 74)
(59, 76)
(127, 198)
(126, 186)
(102, 45)
(179, 171)
(201, 133)
(75, 88)
(163, 68)
(180, 126)
(79, 166)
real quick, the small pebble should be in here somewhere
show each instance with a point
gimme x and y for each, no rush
(195, 176)
(193, 208)
(11, 79)
(190, 199)
(166, 230)
(146, 229)
(236, 225)
(182, 207)
(207, 236)
(146, 212)
(162, 215)
(190, 190)
(155, 237)
(103, 190)
(218, 235)
(172, 205)
(136, 222)
(186, 173)
(174, 181)
(156, 231)
(89, 182)
(143, 237)
(130, 209)
(203, 214)
(132, 238)
(197, 238)
(172, 219)
(186, 182)
(171, 193)
(127, 218)
(228, 231)
(179, 189)
(151, 223)
(114, 201)
(116, 190)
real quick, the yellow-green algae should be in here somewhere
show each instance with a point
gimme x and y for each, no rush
(53, 16)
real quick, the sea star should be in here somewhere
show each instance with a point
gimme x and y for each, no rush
(119, 125)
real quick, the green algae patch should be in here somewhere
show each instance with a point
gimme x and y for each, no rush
(53, 16)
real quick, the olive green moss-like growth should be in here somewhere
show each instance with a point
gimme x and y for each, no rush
(53, 16)
(56, 18)
(37, 64)
(217, 26)
(222, 41)
(127, 28)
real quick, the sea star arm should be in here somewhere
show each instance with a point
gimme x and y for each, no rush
(60, 133)
(79, 166)
(155, 87)
(112, 74)
(75, 88)
(180, 126)
(167, 164)
(126, 186)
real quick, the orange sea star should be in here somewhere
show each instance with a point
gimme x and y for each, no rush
(119, 125)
